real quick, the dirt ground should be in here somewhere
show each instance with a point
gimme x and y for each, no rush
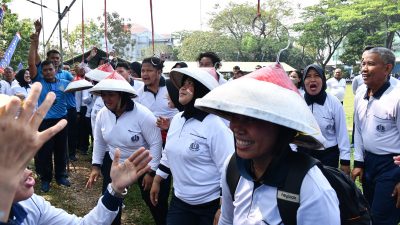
(77, 199)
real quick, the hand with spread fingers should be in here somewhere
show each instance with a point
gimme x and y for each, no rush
(20, 138)
(126, 173)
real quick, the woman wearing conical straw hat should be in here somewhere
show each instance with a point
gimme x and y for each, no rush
(266, 113)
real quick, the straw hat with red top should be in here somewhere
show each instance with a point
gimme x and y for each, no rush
(114, 82)
(266, 94)
(78, 84)
(100, 72)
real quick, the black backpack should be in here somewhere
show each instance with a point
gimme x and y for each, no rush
(353, 207)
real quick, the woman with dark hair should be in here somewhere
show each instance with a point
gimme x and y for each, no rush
(297, 79)
(24, 80)
(122, 124)
(197, 145)
(329, 113)
(266, 113)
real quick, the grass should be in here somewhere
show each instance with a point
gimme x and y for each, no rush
(348, 105)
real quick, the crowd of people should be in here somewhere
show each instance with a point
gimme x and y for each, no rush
(186, 128)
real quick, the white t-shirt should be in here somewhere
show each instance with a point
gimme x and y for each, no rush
(337, 87)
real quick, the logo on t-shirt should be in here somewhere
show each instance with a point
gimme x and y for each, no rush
(194, 146)
(135, 138)
(380, 128)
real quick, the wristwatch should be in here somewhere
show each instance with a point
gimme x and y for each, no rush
(111, 190)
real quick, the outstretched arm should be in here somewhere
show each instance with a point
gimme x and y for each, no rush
(33, 56)
(15, 153)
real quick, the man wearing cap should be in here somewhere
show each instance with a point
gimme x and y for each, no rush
(8, 81)
(337, 85)
(266, 113)
(377, 136)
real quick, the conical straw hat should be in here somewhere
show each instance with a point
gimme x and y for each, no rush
(266, 94)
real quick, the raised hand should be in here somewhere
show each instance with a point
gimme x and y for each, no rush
(19, 135)
(38, 25)
(128, 172)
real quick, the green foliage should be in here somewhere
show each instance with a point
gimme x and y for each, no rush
(118, 33)
(10, 26)
(200, 41)
(323, 30)
(74, 39)
(258, 43)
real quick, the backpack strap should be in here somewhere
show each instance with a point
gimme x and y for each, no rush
(288, 196)
(232, 176)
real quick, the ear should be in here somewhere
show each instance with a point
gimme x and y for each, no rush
(388, 68)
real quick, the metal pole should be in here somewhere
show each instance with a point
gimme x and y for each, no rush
(60, 34)
(44, 43)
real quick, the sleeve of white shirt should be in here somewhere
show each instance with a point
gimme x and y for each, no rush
(341, 132)
(152, 135)
(227, 207)
(99, 145)
(45, 213)
(86, 97)
(164, 162)
(354, 85)
(78, 98)
(222, 144)
(318, 203)
(358, 142)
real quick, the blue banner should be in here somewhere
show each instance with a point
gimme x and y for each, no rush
(2, 11)
(5, 61)
(20, 66)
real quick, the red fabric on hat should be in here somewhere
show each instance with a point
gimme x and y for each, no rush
(76, 78)
(106, 68)
(273, 74)
(211, 71)
(115, 76)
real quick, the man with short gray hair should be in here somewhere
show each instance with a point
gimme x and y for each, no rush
(377, 136)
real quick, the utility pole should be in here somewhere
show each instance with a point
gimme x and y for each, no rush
(59, 31)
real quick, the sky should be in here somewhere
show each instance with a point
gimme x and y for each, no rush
(168, 15)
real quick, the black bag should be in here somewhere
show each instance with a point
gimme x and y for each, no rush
(353, 207)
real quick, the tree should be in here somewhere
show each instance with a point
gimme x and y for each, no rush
(160, 50)
(74, 39)
(381, 18)
(10, 26)
(236, 21)
(118, 33)
(323, 30)
(200, 41)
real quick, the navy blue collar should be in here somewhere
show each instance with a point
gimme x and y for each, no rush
(196, 114)
(378, 94)
(17, 214)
